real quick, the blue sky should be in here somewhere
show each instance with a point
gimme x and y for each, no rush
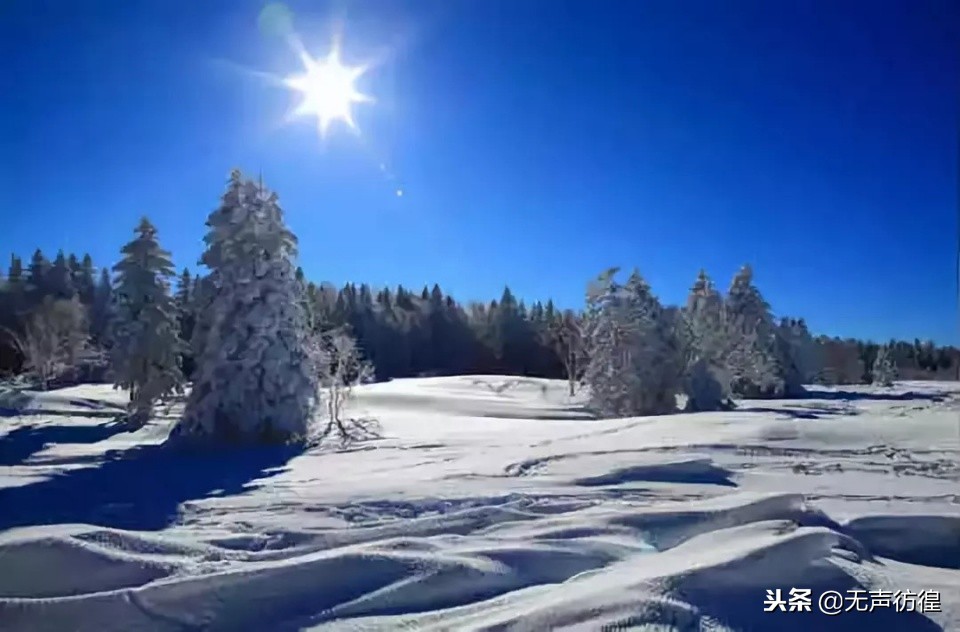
(536, 143)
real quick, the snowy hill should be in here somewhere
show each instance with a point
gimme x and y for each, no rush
(489, 503)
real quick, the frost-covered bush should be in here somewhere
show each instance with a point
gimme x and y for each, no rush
(340, 366)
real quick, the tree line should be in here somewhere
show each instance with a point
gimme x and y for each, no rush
(406, 332)
(150, 332)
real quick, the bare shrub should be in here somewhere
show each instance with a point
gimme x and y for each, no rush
(341, 366)
(54, 337)
(566, 337)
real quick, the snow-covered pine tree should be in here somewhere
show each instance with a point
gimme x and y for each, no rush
(305, 298)
(632, 367)
(145, 357)
(884, 368)
(656, 358)
(608, 373)
(753, 355)
(253, 381)
(183, 296)
(706, 383)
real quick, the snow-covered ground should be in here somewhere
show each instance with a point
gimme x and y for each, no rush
(489, 503)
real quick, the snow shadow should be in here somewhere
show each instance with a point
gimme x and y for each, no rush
(141, 488)
(801, 412)
(925, 540)
(560, 414)
(53, 412)
(21, 443)
(882, 397)
(696, 471)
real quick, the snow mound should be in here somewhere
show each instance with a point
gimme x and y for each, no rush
(62, 566)
(715, 581)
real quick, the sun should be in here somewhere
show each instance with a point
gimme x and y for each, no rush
(328, 89)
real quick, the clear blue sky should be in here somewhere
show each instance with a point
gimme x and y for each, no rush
(536, 142)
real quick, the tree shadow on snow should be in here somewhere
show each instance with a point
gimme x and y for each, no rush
(875, 396)
(53, 412)
(698, 472)
(801, 412)
(21, 443)
(141, 488)
(577, 413)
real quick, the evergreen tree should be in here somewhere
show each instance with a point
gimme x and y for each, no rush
(145, 357)
(84, 280)
(633, 367)
(183, 299)
(753, 354)
(101, 309)
(305, 301)
(706, 382)
(884, 369)
(655, 357)
(253, 381)
(37, 286)
(15, 271)
(73, 265)
(609, 373)
(13, 299)
(60, 277)
(800, 352)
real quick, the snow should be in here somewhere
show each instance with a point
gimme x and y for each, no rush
(489, 503)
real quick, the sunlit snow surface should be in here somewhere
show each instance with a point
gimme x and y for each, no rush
(489, 503)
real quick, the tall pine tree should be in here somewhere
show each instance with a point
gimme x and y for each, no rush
(145, 357)
(37, 277)
(253, 381)
(101, 310)
(60, 277)
(706, 382)
(655, 354)
(186, 317)
(753, 353)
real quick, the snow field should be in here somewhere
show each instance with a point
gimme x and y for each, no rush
(489, 503)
